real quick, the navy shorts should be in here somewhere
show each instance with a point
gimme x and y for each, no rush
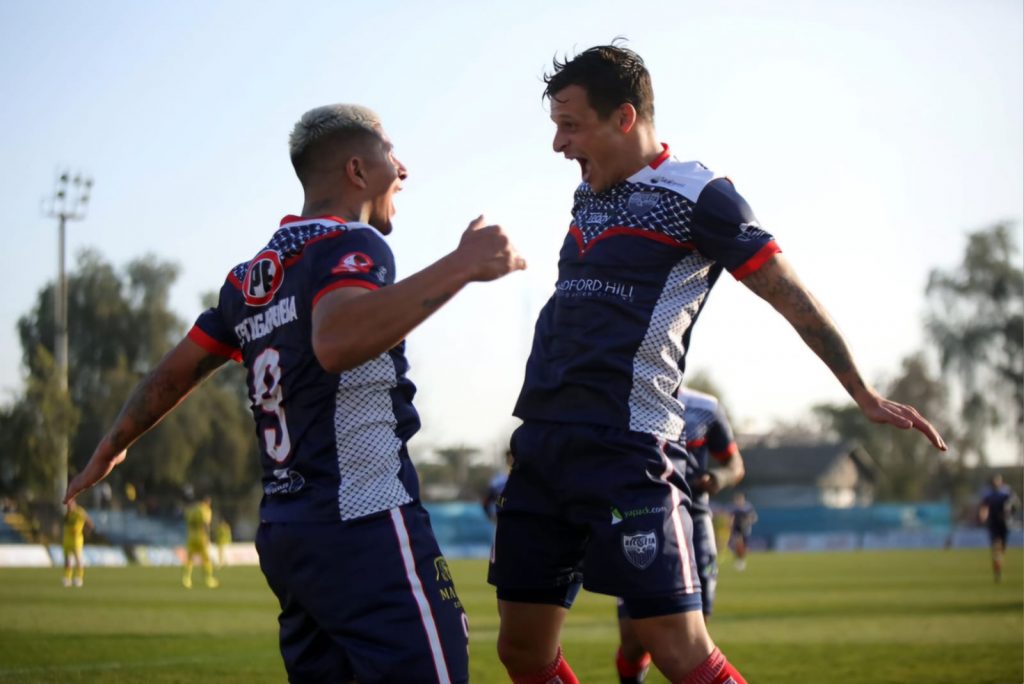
(705, 551)
(597, 507)
(997, 532)
(369, 599)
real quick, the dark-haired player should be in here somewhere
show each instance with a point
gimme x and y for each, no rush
(648, 238)
(319, 321)
(997, 505)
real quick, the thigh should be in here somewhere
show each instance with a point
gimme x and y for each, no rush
(381, 592)
(309, 652)
(641, 535)
(537, 551)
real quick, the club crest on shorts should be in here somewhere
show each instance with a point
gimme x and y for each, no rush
(639, 203)
(641, 548)
(263, 278)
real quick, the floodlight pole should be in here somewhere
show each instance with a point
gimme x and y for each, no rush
(69, 203)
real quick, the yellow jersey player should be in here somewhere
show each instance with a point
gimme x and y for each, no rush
(75, 522)
(197, 519)
(222, 537)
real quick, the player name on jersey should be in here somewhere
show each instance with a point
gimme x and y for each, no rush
(262, 324)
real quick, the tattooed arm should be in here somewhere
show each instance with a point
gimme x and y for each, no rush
(777, 283)
(163, 388)
(352, 325)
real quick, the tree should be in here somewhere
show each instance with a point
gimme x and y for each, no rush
(977, 324)
(29, 429)
(120, 325)
(911, 468)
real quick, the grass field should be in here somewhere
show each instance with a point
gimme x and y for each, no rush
(865, 617)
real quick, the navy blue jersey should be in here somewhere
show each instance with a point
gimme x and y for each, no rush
(633, 275)
(332, 444)
(743, 519)
(1000, 503)
(707, 436)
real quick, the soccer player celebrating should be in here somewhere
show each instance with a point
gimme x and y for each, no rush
(713, 462)
(319, 321)
(997, 505)
(649, 237)
(198, 517)
(76, 520)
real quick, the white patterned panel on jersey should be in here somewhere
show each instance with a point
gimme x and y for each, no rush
(368, 448)
(653, 407)
(593, 213)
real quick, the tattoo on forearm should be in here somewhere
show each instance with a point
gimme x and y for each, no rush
(154, 396)
(435, 302)
(813, 324)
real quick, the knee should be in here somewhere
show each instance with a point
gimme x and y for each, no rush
(519, 654)
(630, 646)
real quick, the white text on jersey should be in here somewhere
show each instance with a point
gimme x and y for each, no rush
(255, 327)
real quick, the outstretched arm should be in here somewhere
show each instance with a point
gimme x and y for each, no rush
(777, 283)
(163, 388)
(352, 326)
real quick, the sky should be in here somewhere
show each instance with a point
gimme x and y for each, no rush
(868, 137)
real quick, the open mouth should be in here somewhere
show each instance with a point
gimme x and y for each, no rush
(584, 169)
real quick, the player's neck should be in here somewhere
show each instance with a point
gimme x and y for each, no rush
(649, 147)
(643, 151)
(331, 206)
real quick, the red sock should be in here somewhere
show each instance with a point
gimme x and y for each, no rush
(630, 668)
(558, 672)
(715, 670)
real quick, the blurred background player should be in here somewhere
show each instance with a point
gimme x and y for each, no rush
(319, 319)
(743, 518)
(198, 517)
(492, 497)
(222, 537)
(713, 462)
(998, 504)
(76, 520)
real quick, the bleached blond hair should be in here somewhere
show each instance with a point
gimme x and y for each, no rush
(341, 122)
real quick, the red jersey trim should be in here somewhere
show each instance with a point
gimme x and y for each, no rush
(729, 452)
(757, 261)
(211, 345)
(697, 443)
(625, 230)
(292, 218)
(233, 279)
(665, 154)
(338, 284)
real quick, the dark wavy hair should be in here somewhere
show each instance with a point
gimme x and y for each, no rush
(611, 74)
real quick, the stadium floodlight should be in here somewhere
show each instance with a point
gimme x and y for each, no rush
(69, 202)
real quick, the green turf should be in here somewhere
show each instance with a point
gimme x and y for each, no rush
(865, 617)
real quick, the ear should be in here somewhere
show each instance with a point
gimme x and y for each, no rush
(355, 172)
(627, 116)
